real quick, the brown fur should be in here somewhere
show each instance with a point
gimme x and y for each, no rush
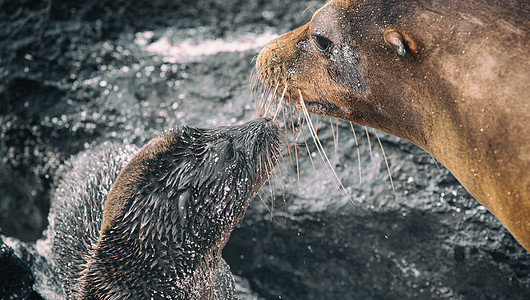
(462, 96)
(129, 178)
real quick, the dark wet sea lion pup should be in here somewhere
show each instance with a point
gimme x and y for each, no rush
(167, 216)
(450, 76)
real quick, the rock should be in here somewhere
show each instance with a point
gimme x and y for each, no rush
(15, 276)
(75, 75)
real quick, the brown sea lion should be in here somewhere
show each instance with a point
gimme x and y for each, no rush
(159, 232)
(453, 77)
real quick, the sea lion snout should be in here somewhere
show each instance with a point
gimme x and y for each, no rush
(316, 63)
(276, 62)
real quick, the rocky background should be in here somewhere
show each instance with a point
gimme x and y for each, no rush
(75, 74)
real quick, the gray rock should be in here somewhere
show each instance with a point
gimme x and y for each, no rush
(15, 275)
(72, 76)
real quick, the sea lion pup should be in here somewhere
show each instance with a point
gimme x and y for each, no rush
(168, 215)
(450, 76)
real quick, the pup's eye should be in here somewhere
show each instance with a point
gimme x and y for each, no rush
(321, 43)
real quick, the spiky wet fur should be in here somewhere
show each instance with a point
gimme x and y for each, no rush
(173, 207)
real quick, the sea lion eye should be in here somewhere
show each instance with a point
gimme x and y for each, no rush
(321, 43)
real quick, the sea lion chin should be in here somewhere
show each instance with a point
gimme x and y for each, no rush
(450, 76)
(158, 232)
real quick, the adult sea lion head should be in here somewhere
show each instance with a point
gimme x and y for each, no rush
(450, 76)
(338, 63)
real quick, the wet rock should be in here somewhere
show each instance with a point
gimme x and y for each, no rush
(75, 75)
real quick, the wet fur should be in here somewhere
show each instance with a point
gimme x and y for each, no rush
(168, 214)
(461, 93)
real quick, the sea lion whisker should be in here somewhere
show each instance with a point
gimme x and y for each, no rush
(296, 147)
(272, 95)
(321, 150)
(297, 112)
(333, 133)
(260, 88)
(301, 126)
(255, 86)
(297, 162)
(260, 101)
(369, 143)
(280, 102)
(386, 161)
(257, 100)
(265, 94)
(309, 152)
(288, 150)
(288, 112)
(435, 163)
(281, 175)
(263, 201)
(337, 129)
(271, 189)
(305, 10)
(256, 74)
(314, 134)
(287, 139)
(263, 104)
(277, 100)
(358, 152)
(316, 127)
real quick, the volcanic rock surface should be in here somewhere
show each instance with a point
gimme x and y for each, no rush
(75, 75)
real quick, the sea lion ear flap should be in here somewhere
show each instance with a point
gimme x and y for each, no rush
(400, 41)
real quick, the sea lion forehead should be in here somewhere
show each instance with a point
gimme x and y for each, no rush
(335, 21)
(327, 19)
